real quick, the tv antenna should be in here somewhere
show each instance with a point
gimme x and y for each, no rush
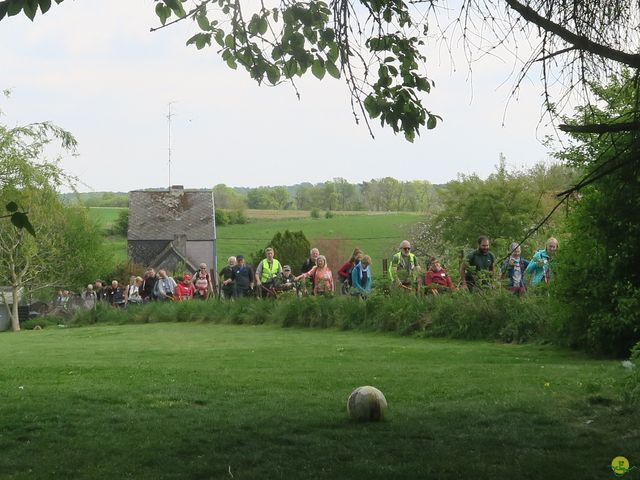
(169, 116)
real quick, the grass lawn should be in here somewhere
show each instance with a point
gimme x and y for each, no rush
(203, 401)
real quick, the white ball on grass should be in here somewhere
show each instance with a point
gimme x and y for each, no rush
(367, 404)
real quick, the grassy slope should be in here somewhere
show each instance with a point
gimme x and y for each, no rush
(169, 401)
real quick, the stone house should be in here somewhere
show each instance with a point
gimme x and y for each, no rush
(172, 227)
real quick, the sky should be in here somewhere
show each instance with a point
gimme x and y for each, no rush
(95, 69)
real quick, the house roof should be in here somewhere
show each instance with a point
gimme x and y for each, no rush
(162, 214)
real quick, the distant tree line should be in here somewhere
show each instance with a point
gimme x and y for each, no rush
(381, 195)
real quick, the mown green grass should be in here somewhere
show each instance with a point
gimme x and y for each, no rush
(189, 400)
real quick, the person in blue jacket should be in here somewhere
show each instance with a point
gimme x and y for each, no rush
(540, 265)
(361, 278)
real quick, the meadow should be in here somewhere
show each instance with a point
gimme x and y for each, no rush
(378, 234)
(207, 401)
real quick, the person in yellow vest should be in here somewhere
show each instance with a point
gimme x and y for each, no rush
(267, 272)
(404, 270)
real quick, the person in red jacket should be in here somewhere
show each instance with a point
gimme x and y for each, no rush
(437, 279)
(344, 274)
(184, 289)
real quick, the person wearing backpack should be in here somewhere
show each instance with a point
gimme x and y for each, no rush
(202, 283)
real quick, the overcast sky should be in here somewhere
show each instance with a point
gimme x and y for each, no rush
(93, 68)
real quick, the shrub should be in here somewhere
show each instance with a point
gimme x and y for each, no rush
(328, 214)
(315, 213)
(222, 217)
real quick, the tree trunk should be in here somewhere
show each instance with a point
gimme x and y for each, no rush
(15, 319)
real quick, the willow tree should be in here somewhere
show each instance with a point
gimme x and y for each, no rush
(50, 242)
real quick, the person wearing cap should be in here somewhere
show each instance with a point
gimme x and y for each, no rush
(201, 281)
(267, 271)
(184, 289)
(242, 278)
(227, 281)
(404, 268)
(285, 282)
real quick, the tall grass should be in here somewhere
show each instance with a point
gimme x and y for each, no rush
(496, 315)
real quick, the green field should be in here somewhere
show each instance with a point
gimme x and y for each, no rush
(204, 401)
(105, 216)
(376, 233)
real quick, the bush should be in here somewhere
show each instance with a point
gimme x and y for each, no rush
(237, 217)
(315, 213)
(222, 218)
(328, 214)
(121, 226)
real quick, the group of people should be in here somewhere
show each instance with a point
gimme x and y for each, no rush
(270, 278)
(151, 287)
(477, 270)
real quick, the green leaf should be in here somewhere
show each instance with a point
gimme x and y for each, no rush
(317, 68)
(200, 39)
(372, 107)
(290, 68)
(219, 36)
(431, 122)
(332, 69)
(230, 41)
(203, 22)
(332, 54)
(3, 10)
(262, 26)
(276, 53)
(12, 207)
(14, 8)
(231, 62)
(21, 220)
(163, 13)
(273, 74)
(176, 7)
(31, 8)
(45, 5)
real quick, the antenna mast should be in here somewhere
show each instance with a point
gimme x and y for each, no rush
(169, 121)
